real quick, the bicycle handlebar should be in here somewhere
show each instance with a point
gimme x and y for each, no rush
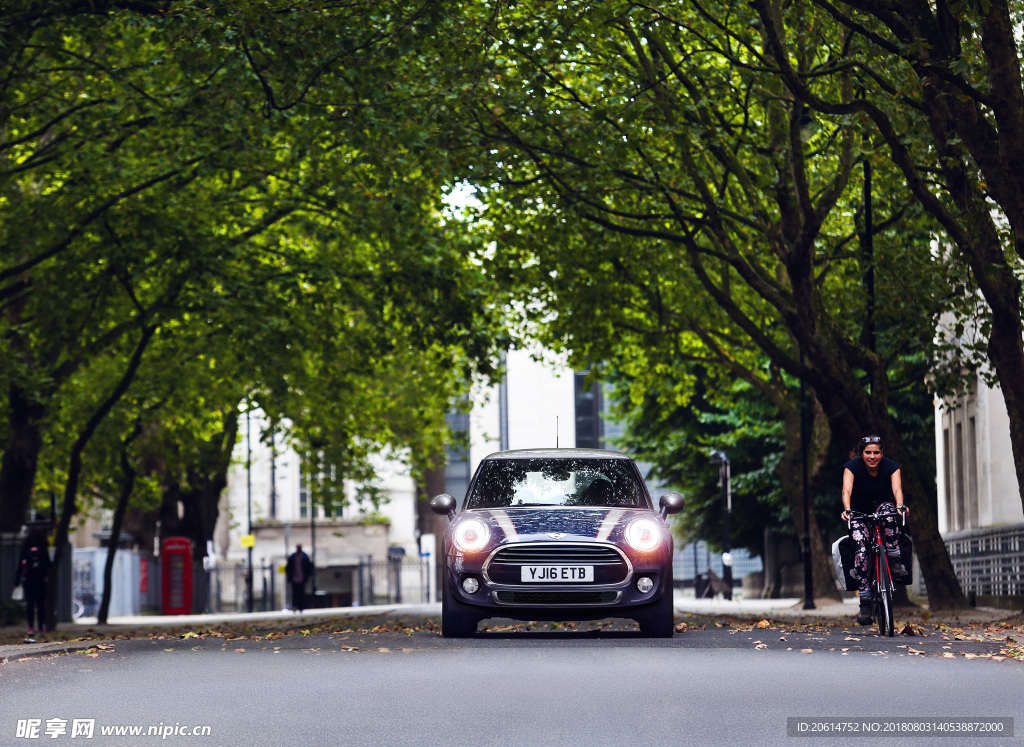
(876, 515)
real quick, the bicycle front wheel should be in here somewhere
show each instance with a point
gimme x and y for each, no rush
(885, 618)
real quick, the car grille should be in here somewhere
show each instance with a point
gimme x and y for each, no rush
(610, 566)
(556, 598)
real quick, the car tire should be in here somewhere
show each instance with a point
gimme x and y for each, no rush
(659, 622)
(457, 620)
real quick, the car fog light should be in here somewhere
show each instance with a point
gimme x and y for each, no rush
(644, 585)
(470, 585)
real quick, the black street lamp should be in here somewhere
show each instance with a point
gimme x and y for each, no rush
(720, 458)
(804, 435)
(248, 487)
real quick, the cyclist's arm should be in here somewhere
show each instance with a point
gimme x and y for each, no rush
(897, 490)
(848, 491)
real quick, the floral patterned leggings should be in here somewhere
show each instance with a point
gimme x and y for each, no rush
(859, 532)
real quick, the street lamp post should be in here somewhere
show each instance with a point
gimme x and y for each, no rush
(248, 486)
(808, 567)
(720, 458)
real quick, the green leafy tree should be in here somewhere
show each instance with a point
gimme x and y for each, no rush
(650, 140)
(940, 85)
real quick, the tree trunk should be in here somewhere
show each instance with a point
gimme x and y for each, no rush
(127, 486)
(944, 590)
(70, 505)
(21, 458)
(199, 495)
(790, 472)
(429, 522)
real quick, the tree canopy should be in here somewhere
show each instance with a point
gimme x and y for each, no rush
(212, 206)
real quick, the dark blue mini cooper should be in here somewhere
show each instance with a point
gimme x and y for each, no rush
(557, 534)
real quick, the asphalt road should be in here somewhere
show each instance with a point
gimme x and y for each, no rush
(367, 683)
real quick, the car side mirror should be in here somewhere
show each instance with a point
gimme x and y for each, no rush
(671, 503)
(443, 504)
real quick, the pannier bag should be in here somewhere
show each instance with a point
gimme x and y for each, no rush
(844, 549)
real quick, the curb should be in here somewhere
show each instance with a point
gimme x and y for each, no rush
(33, 650)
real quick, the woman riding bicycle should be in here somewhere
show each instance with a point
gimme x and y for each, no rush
(872, 483)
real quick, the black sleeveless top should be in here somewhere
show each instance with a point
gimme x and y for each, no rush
(868, 491)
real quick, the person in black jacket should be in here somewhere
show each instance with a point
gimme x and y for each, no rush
(872, 483)
(298, 571)
(33, 568)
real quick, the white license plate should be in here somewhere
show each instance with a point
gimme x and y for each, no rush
(532, 574)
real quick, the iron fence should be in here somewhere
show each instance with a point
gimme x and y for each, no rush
(397, 580)
(989, 561)
(227, 588)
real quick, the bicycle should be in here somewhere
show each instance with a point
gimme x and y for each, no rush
(882, 584)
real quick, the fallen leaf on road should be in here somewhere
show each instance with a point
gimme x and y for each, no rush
(239, 650)
(807, 651)
(844, 649)
(851, 638)
(948, 655)
(914, 651)
(384, 650)
(761, 646)
(970, 656)
(764, 624)
(909, 629)
(190, 634)
(782, 638)
(92, 656)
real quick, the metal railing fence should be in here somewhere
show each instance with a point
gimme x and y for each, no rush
(989, 561)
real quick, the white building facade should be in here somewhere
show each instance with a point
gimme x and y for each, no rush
(980, 514)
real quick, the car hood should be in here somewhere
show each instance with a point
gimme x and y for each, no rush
(538, 524)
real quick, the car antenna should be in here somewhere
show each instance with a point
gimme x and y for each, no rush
(556, 431)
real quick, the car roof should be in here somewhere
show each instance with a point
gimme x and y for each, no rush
(559, 454)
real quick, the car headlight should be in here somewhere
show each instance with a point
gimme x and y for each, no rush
(471, 535)
(643, 535)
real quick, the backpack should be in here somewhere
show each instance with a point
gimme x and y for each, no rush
(37, 563)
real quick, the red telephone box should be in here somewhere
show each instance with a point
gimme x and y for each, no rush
(176, 575)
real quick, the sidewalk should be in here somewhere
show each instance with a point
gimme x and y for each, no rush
(789, 607)
(149, 623)
(777, 609)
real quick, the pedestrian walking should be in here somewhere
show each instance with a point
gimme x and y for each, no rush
(298, 571)
(33, 569)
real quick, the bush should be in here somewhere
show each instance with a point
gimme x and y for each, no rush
(11, 613)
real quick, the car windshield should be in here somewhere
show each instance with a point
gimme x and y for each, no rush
(512, 483)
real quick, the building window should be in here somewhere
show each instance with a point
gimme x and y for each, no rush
(304, 497)
(947, 470)
(588, 412)
(332, 510)
(958, 466)
(457, 464)
(972, 474)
